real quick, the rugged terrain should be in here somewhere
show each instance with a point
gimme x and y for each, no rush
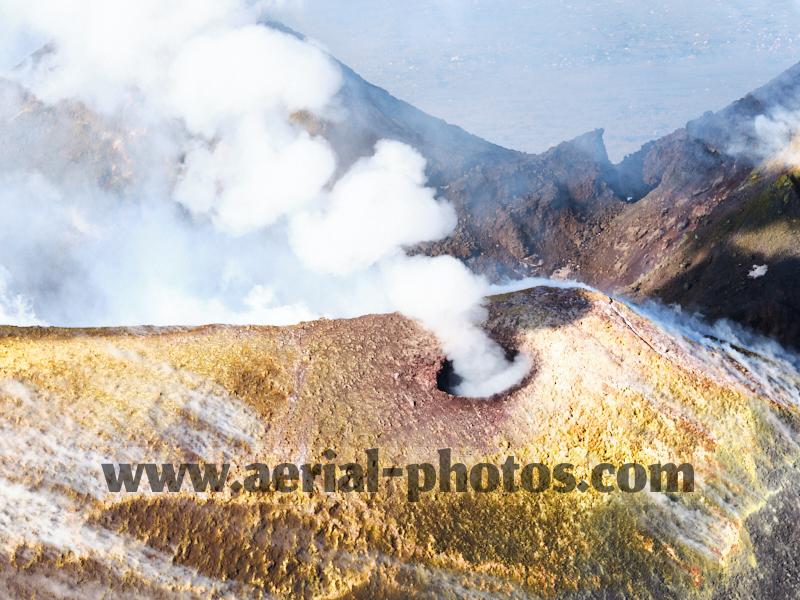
(683, 220)
(609, 384)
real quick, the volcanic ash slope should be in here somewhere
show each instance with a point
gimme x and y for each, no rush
(608, 385)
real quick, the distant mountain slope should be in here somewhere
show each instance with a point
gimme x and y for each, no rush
(716, 211)
(684, 220)
(518, 213)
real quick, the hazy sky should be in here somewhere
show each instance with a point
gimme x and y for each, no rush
(531, 73)
(528, 74)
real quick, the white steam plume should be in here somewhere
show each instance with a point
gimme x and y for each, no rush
(779, 137)
(188, 191)
(776, 132)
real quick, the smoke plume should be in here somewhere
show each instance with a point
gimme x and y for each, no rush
(163, 165)
(773, 135)
(778, 137)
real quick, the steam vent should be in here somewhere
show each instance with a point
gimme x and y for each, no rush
(608, 385)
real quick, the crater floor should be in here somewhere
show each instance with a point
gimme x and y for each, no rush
(610, 383)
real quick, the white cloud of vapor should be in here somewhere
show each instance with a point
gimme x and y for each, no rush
(777, 135)
(14, 308)
(776, 131)
(159, 172)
